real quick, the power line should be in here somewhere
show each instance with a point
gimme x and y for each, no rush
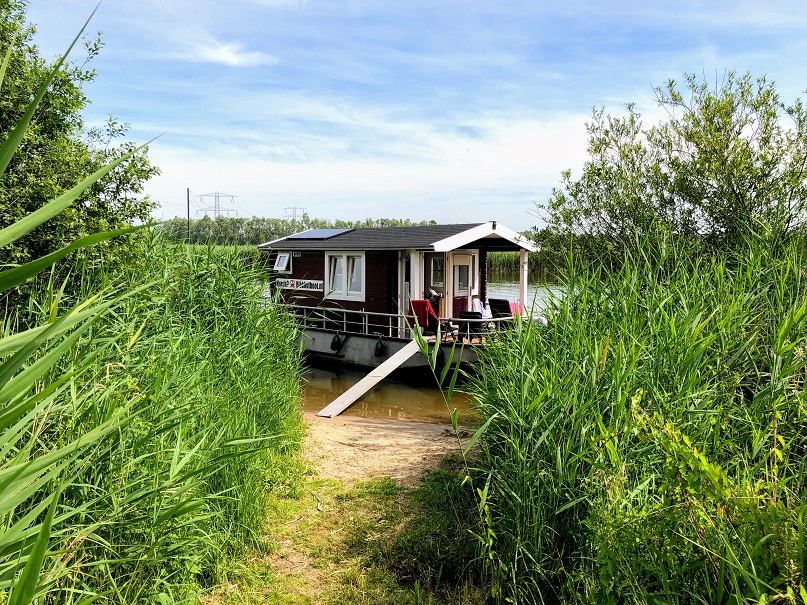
(242, 209)
(216, 207)
(195, 202)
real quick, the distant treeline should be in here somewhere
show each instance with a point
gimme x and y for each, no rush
(258, 230)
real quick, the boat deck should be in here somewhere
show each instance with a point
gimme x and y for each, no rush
(385, 343)
(391, 326)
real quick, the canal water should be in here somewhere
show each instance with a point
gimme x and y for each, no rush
(389, 399)
(394, 400)
(538, 294)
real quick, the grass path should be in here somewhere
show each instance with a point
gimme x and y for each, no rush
(379, 518)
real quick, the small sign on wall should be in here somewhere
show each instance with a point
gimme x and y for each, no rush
(314, 285)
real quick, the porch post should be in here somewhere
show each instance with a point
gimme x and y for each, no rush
(415, 275)
(522, 278)
(448, 289)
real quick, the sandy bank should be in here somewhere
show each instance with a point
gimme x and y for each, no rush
(353, 449)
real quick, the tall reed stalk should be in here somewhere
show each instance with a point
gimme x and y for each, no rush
(183, 400)
(649, 444)
(138, 424)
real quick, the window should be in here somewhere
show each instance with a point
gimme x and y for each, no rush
(283, 262)
(438, 271)
(356, 284)
(461, 280)
(345, 273)
(337, 275)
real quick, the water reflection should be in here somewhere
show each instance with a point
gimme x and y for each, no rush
(388, 399)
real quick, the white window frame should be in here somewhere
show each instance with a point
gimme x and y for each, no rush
(285, 267)
(344, 293)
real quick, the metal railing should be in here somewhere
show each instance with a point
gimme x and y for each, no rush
(388, 324)
(357, 322)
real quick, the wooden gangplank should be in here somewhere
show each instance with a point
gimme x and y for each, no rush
(346, 399)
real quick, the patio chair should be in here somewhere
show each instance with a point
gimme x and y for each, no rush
(470, 329)
(499, 307)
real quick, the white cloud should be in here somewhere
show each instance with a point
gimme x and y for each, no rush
(232, 54)
(457, 178)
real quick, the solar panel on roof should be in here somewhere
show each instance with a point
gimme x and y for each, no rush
(319, 233)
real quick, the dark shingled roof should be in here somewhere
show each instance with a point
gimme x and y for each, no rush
(382, 238)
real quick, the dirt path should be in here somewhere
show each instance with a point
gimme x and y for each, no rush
(325, 538)
(357, 449)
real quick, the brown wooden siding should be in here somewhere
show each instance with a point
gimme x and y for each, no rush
(380, 281)
(392, 282)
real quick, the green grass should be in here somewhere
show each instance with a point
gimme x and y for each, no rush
(648, 446)
(375, 543)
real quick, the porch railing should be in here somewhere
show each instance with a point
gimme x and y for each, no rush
(384, 324)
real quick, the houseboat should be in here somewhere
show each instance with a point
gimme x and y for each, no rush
(359, 293)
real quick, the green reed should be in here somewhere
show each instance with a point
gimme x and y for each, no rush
(649, 444)
(140, 420)
(193, 381)
(506, 265)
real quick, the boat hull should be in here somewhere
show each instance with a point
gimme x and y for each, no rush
(363, 350)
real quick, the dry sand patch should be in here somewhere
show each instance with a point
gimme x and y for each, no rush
(353, 449)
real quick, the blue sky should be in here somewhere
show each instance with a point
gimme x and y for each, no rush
(457, 111)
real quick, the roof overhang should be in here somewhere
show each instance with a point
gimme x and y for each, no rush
(485, 230)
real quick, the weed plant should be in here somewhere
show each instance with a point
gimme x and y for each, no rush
(648, 446)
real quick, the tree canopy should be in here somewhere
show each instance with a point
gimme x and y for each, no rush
(729, 162)
(58, 150)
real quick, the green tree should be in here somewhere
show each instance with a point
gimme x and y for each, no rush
(729, 163)
(57, 151)
(258, 230)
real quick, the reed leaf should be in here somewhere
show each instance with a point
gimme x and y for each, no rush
(23, 592)
(4, 65)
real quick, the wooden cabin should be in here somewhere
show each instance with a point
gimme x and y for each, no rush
(359, 292)
(381, 270)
